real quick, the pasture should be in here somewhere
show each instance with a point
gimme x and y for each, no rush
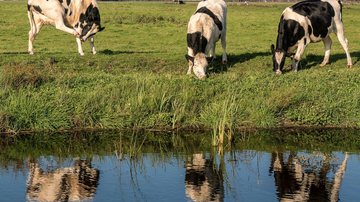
(138, 78)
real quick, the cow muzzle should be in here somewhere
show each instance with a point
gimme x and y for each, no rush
(200, 73)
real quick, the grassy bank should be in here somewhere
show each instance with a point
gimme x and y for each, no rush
(138, 79)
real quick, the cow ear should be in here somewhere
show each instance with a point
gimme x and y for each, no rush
(189, 58)
(101, 29)
(209, 59)
(272, 47)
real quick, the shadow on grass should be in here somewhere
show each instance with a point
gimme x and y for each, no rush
(112, 52)
(311, 61)
(315, 60)
(15, 53)
(102, 52)
(235, 59)
(217, 66)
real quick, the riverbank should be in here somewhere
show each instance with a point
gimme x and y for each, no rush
(138, 78)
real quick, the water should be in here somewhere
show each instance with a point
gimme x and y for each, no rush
(153, 167)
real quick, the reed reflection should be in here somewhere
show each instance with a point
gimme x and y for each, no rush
(203, 179)
(76, 183)
(305, 177)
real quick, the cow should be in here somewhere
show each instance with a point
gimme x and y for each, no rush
(206, 26)
(307, 22)
(80, 18)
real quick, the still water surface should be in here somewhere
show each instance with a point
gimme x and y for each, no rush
(118, 167)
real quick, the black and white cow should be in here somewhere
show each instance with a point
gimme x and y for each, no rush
(80, 18)
(206, 26)
(306, 22)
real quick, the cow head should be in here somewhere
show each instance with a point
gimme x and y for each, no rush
(279, 57)
(89, 23)
(199, 64)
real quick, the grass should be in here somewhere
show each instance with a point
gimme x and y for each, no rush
(138, 78)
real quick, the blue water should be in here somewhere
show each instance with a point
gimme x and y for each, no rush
(239, 175)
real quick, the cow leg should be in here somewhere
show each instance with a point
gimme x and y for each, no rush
(58, 20)
(223, 44)
(92, 45)
(327, 43)
(297, 57)
(31, 33)
(59, 24)
(191, 64)
(32, 36)
(35, 29)
(212, 51)
(190, 69)
(35, 26)
(344, 42)
(80, 50)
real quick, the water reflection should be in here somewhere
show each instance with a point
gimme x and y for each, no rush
(76, 183)
(178, 168)
(203, 179)
(307, 177)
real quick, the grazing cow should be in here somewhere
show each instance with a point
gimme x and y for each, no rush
(205, 28)
(306, 22)
(80, 18)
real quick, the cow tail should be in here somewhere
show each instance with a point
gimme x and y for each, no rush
(341, 6)
(31, 20)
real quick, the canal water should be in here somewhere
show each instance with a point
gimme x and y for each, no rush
(257, 166)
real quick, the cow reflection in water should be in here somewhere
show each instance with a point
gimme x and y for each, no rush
(77, 183)
(203, 181)
(307, 177)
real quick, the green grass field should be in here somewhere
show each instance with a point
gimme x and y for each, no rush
(138, 78)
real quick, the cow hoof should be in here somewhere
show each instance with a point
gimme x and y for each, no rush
(94, 52)
(349, 66)
(31, 53)
(323, 64)
(224, 62)
(278, 72)
(81, 54)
